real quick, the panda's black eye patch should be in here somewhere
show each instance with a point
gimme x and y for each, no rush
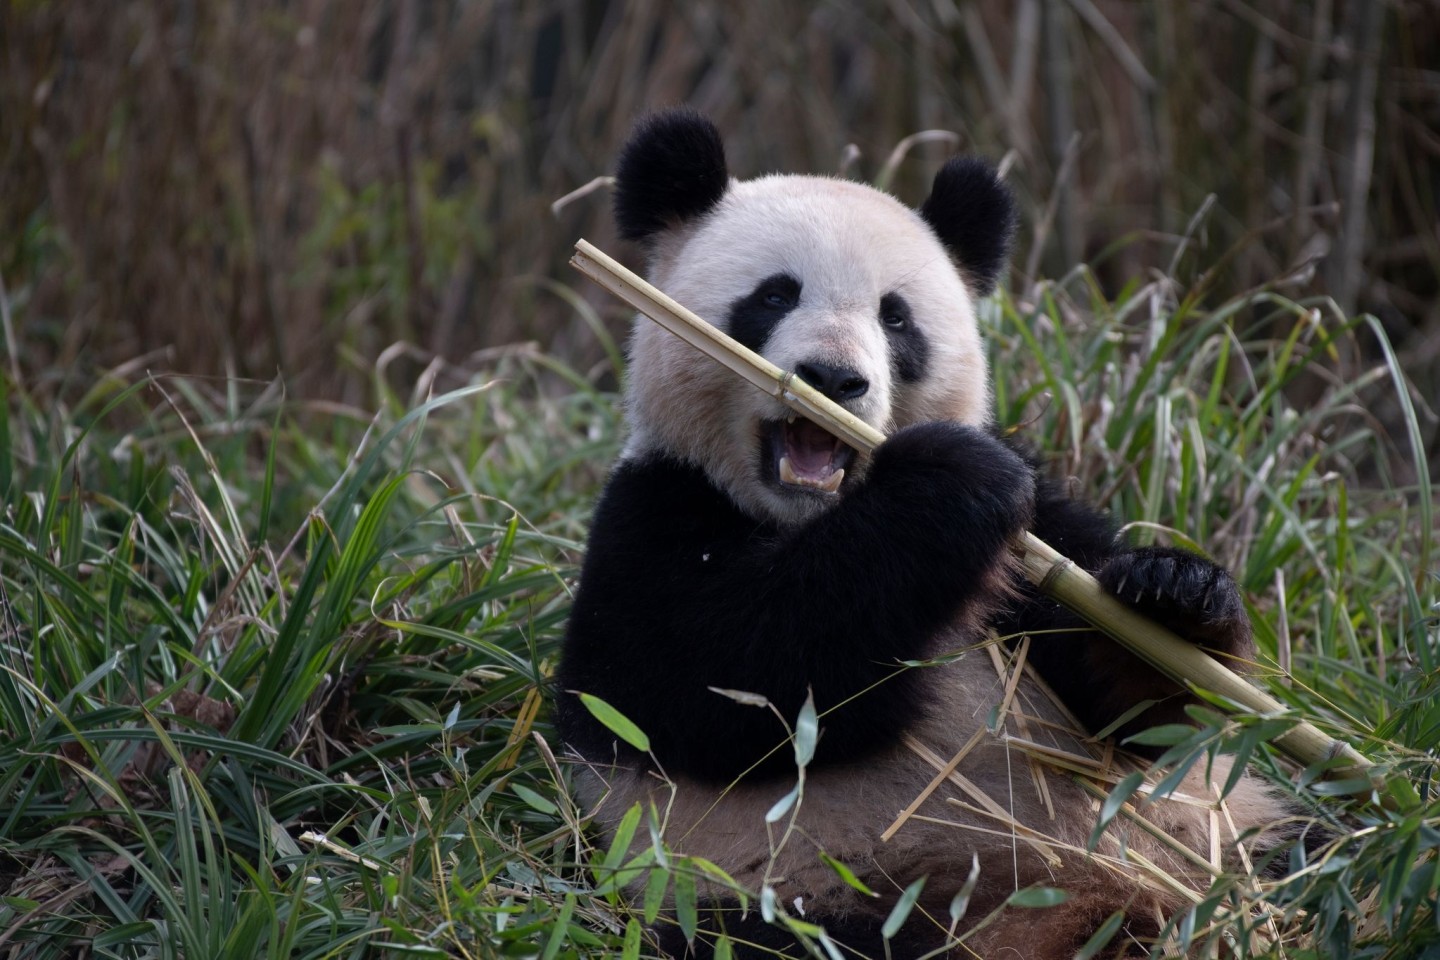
(754, 316)
(909, 351)
(895, 313)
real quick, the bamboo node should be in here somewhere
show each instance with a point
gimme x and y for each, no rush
(1056, 571)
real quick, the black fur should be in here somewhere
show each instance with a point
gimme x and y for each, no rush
(671, 170)
(682, 592)
(754, 315)
(973, 213)
(909, 351)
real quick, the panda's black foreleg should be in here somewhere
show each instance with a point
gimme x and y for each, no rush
(1193, 597)
(1098, 679)
(685, 600)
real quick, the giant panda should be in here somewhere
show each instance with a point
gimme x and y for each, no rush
(738, 548)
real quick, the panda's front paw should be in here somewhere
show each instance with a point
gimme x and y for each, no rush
(1187, 593)
(963, 474)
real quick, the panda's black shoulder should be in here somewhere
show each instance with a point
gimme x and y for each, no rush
(1064, 518)
(659, 496)
(654, 524)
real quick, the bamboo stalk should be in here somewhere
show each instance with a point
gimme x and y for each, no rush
(1050, 571)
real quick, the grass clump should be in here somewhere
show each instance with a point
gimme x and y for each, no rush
(1247, 429)
(270, 673)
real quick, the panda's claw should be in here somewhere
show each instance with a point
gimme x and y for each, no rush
(1185, 592)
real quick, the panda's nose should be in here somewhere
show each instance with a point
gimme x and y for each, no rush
(837, 383)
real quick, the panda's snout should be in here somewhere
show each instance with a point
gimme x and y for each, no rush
(837, 383)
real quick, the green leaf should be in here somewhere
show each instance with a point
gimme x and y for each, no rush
(631, 949)
(620, 846)
(783, 805)
(1125, 718)
(1102, 936)
(125, 933)
(1165, 735)
(1122, 792)
(961, 901)
(901, 911)
(846, 874)
(685, 900)
(616, 722)
(1244, 746)
(559, 928)
(807, 732)
(1172, 780)
(533, 799)
(1037, 897)
(655, 886)
(719, 876)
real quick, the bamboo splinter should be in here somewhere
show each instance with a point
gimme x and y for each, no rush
(1049, 570)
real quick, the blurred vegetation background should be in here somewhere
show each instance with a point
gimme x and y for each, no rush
(254, 187)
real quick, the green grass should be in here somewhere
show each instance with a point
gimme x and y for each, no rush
(273, 676)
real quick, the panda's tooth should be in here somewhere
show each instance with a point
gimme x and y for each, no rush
(787, 472)
(832, 482)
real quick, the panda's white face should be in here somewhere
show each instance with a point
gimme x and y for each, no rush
(833, 280)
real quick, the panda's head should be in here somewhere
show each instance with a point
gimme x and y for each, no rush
(863, 297)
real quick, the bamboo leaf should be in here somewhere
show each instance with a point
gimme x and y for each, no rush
(1102, 936)
(1113, 804)
(901, 911)
(1037, 898)
(807, 732)
(846, 874)
(686, 910)
(616, 722)
(783, 805)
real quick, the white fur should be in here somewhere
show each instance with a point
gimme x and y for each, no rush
(848, 245)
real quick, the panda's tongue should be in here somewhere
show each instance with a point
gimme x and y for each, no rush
(809, 458)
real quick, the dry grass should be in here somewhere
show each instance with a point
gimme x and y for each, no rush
(241, 187)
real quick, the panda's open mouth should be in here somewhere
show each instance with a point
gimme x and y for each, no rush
(800, 454)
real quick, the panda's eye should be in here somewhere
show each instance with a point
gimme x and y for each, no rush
(894, 313)
(780, 292)
(758, 312)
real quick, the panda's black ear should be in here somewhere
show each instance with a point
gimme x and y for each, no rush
(974, 215)
(671, 170)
